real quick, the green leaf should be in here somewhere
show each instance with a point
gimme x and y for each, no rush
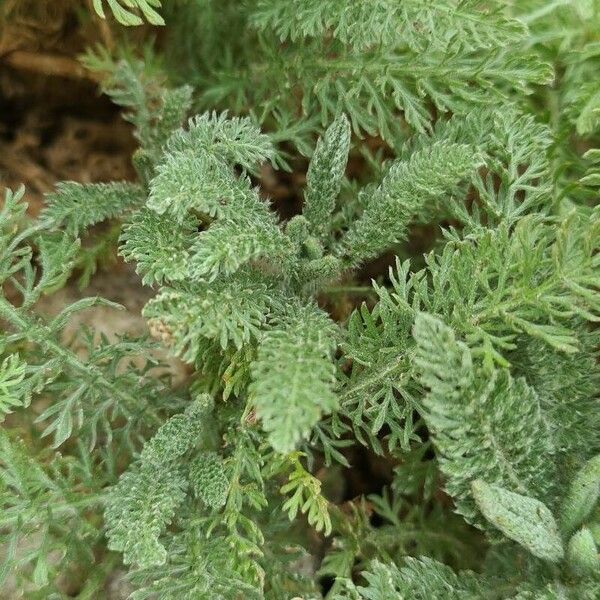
(76, 206)
(231, 312)
(178, 435)
(293, 375)
(232, 140)
(188, 181)
(231, 243)
(12, 391)
(304, 491)
(419, 579)
(525, 520)
(127, 17)
(484, 424)
(139, 509)
(588, 120)
(408, 189)
(161, 252)
(57, 255)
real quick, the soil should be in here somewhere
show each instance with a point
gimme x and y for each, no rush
(54, 125)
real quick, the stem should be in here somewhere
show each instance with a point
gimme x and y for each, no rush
(98, 576)
(367, 382)
(80, 504)
(42, 336)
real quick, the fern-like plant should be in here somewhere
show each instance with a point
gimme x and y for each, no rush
(470, 370)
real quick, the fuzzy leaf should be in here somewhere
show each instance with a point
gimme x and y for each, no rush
(419, 579)
(582, 554)
(325, 173)
(76, 206)
(231, 243)
(159, 247)
(230, 312)
(235, 140)
(293, 376)
(484, 425)
(178, 435)
(148, 498)
(525, 520)
(407, 189)
(12, 391)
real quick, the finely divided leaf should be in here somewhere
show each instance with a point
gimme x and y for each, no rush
(408, 189)
(77, 206)
(232, 140)
(208, 479)
(178, 435)
(582, 496)
(159, 247)
(484, 424)
(13, 393)
(419, 579)
(293, 375)
(139, 508)
(229, 311)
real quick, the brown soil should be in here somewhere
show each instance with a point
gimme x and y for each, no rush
(53, 123)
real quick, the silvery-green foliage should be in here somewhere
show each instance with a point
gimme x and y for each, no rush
(208, 479)
(150, 493)
(76, 207)
(300, 343)
(582, 496)
(83, 404)
(484, 425)
(465, 384)
(325, 174)
(521, 518)
(374, 60)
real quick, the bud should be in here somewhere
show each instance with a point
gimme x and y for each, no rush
(582, 496)
(582, 554)
(297, 229)
(208, 479)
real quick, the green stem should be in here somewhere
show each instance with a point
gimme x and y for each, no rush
(87, 501)
(97, 577)
(42, 336)
(369, 381)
